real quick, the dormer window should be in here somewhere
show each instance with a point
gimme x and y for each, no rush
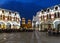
(56, 8)
(9, 12)
(42, 11)
(2, 11)
(48, 10)
(15, 14)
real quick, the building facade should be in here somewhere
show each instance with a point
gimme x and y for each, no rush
(9, 19)
(49, 18)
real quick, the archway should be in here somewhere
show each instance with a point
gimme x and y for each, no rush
(2, 25)
(8, 26)
(56, 23)
(58, 27)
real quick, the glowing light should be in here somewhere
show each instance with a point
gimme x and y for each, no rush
(17, 20)
(5, 18)
(52, 17)
(12, 19)
(45, 18)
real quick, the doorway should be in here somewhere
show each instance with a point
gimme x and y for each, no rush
(58, 27)
(8, 26)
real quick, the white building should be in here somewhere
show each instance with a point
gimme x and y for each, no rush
(49, 18)
(9, 19)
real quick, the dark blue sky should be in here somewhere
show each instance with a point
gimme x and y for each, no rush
(27, 8)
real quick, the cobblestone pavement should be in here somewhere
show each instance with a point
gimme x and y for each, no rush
(28, 37)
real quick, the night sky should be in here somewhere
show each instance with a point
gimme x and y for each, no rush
(27, 8)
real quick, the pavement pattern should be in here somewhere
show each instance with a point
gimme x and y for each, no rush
(28, 37)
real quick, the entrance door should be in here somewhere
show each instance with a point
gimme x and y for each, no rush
(8, 26)
(58, 26)
(49, 26)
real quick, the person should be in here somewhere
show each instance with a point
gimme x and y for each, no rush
(49, 31)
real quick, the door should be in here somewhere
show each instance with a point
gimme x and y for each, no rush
(49, 26)
(58, 27)
(8, 26)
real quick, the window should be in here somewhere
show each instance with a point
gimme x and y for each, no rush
(48, 10)
(8, 17)
(15, 14)
(2, 11)
(9, 12)
(58, 14)
(49, 16)
(41, 17)
(0, 17)
(3, 17)
(55, 15)
(56, 8)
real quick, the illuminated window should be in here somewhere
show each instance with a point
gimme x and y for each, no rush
(10, 18)
(0, 17)
(49, 16)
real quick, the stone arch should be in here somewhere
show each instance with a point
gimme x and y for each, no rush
(2, 24)
(56, 22)
(9, 25)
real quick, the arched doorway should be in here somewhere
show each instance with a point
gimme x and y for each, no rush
(2, 25)
(56, 23)
(58, 27)
(14, 26)
(37, 25)
(8, 26)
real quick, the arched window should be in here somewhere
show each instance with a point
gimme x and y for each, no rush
(48, 10)
(2, 11)
(56, 8)
(9, 12)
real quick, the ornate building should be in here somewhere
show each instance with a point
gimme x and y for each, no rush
(49, 18)
(9, 19)
(29, 24)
